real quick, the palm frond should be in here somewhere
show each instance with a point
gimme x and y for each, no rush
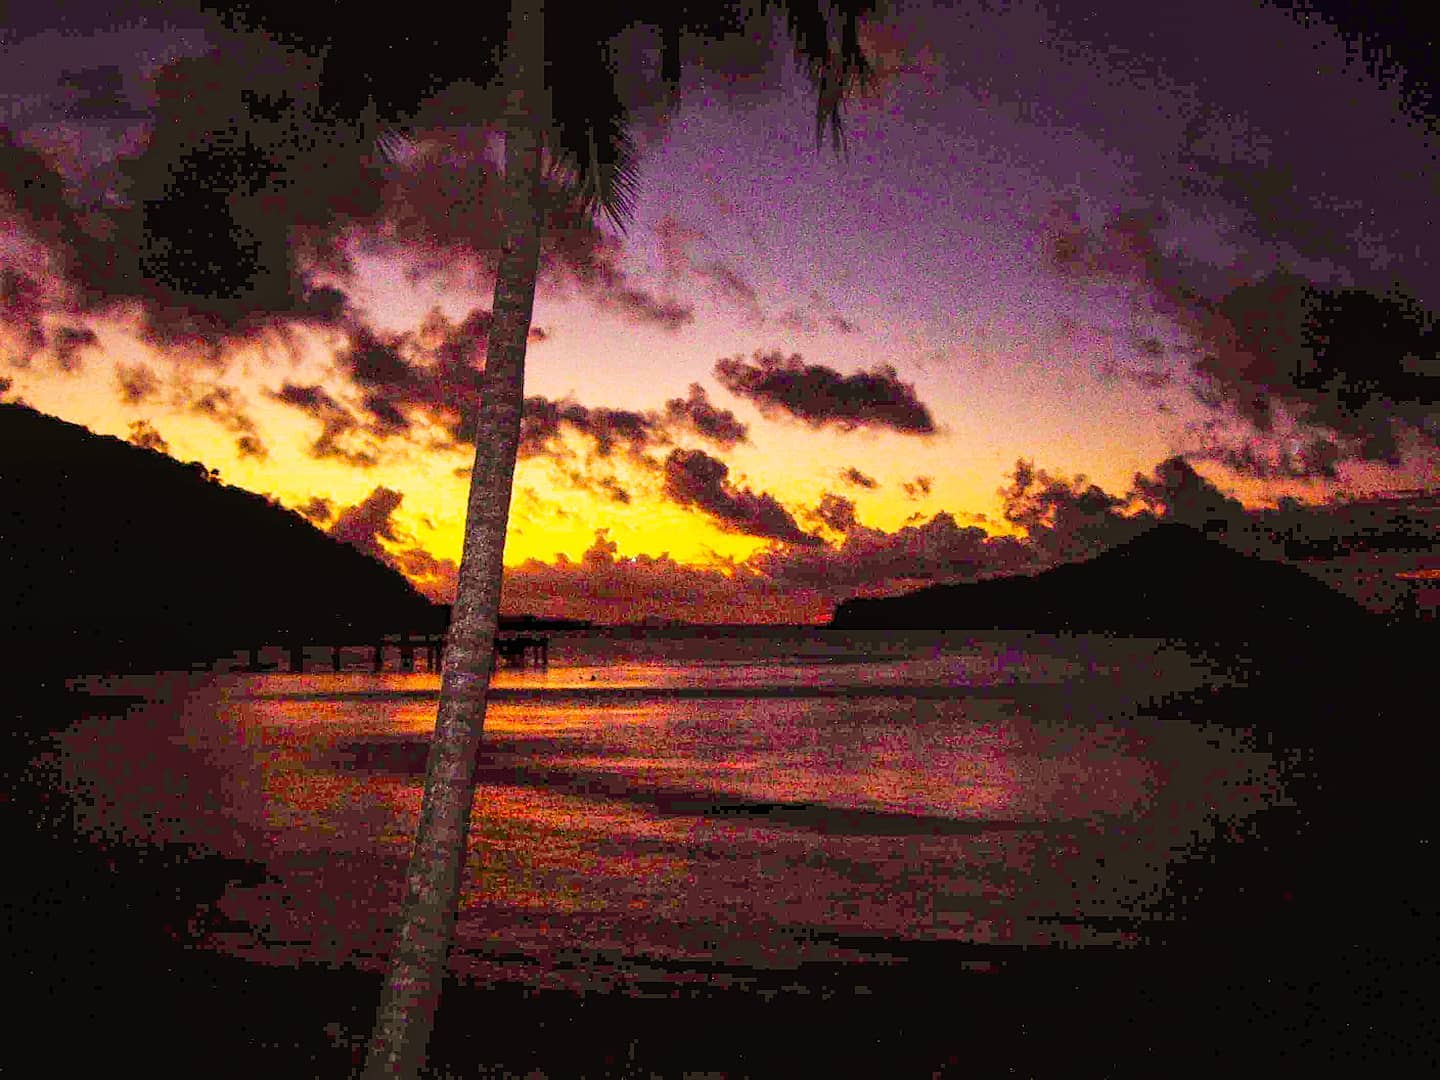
(593, 140)
(830, 56)
(613, 184)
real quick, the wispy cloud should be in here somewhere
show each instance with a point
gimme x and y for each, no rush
(855, 478)
(918, 488)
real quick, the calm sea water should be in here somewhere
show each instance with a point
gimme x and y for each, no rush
(659, 810)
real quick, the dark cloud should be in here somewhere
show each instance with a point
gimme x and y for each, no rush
(613, 427)
(436, 578)
(440, 216)
(250, 446)
(432, 371)
(229, 221)
(68, 342)
(1175, 491)
(918, 488)
(214, 226)
(337, 422)
(226, 407)
(1273, 202)
(633, 432)
(22, 305)
(835, 512)
(1149, 346)
(99, 93)
(1354, 367)
(678, 244)
(1124, 248)
(798, 319)
(221, 404)
(732, 285)
(440, 212)
(694, 478)
(450, 383)
(1066, 519)
(36, 204)
(1150, 375)
(608, 288)
(871, 561)
(606, 486)
(143, 434)
(604, 586)
(369, 521)
(137, 382)
(1316, 457)
(856, 478)
(387, 378)
(543, 421)
(1351, 362)
(718, 426)
(614, 489)
(821, 396)
(372, 520)
(1069, 518)
(237, 204)
(318, 510)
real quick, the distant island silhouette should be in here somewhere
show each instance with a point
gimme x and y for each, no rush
(117, 557)
(1170, 581)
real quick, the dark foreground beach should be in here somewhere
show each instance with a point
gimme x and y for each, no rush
(1310, 944)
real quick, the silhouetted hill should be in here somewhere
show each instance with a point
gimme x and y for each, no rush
(114, 555)
(1170, 581)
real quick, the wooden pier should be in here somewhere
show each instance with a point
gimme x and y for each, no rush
(515, 650)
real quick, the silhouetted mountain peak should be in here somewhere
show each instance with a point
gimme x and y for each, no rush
(1170, 581)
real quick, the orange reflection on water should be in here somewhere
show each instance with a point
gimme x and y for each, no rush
(671, 827)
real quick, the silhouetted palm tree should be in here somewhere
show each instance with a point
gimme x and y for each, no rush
(557, 99)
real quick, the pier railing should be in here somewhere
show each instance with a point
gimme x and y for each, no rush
(513, 649)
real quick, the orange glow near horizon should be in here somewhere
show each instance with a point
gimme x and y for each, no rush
(561, 503)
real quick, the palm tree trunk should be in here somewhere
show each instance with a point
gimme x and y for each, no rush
(411, 992)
